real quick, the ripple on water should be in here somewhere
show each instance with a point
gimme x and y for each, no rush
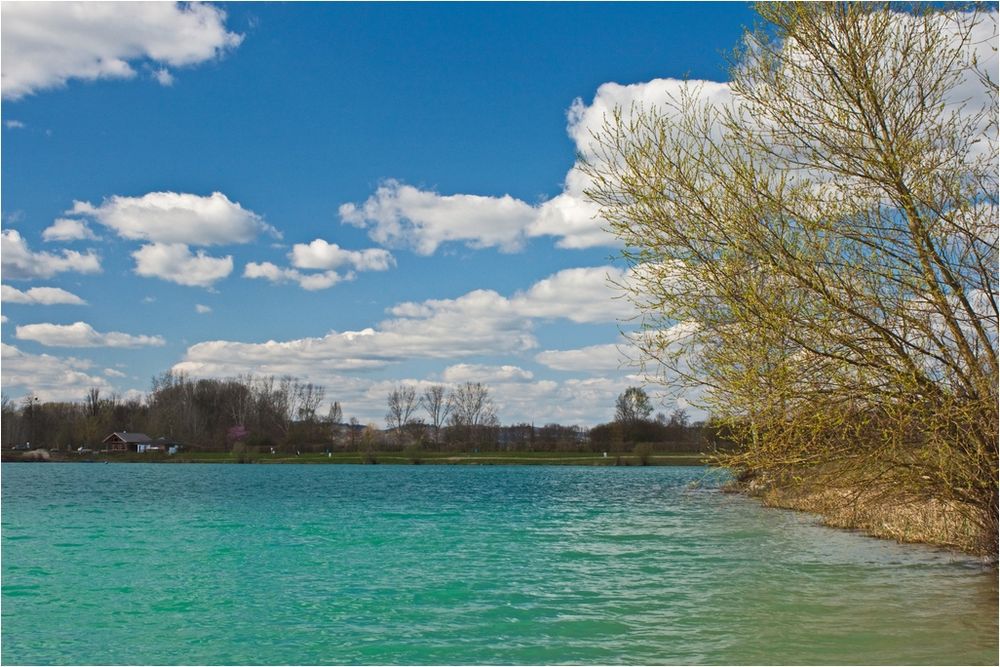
(445, 565)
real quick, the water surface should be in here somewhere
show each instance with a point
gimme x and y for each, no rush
(287, 564)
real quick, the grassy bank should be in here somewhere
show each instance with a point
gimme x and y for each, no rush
(875, 511)
(400, 458)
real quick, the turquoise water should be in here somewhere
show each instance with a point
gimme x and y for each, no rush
(288, 564)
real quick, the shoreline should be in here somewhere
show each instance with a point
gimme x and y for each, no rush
(926, 522)
(377, 458)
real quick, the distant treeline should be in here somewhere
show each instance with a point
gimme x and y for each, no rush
(202, 414)
(252, 413)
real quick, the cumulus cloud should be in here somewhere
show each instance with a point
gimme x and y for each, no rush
(177, 217)
(112, 373)
(164, 77)
(44, 296)
(583, 295)
(569, 217)
(202, 309)
(573, 221)
(81, 334)
(45, 44)
(307, 281)
(325, 356)
(49, 377)
(459, 373)
(320, 254)
(477, 323)
(584, 402)
(67, 229)
(586, 119)
(481, 322)
(402, 216)
(593, 358)
(323, 255)
(18, 262)
(175, 263)
(580, 295)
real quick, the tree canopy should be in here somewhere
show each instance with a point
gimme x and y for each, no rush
(821, 241)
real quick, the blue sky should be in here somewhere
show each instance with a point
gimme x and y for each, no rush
(404, 171)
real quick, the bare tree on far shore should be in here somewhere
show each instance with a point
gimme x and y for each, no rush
(402, 402)
(435, 402)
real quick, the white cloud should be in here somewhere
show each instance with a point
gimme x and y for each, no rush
(81, 334)
(19, 262)
(267, 271)
(570, 217)
(45, 296)
(593, 358)
(320, 254)
(177, 217)
(481, 322)
(401, 215)
(14, 124)
(308, 358)
(574, 221)
(459, 373)
(584, 120)
(307, 281)
(323, 255)
(175, 263)
(49, 377)
(202, 309)
(581, 295)
(112, 373)
(584, 402)
(67, 229)
(45, 44)
(164, 77)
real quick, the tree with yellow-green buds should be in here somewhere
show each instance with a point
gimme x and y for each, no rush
(819, 248)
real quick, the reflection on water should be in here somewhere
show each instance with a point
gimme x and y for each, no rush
(423, 564)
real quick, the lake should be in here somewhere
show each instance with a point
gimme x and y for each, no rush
(279, 564)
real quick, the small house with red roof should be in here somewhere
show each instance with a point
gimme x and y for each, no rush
(125, 441)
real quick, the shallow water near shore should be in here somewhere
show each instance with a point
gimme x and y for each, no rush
(224, 564)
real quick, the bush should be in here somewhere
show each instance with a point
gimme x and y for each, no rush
(244, 454)
(415, 454)
(643, 451)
